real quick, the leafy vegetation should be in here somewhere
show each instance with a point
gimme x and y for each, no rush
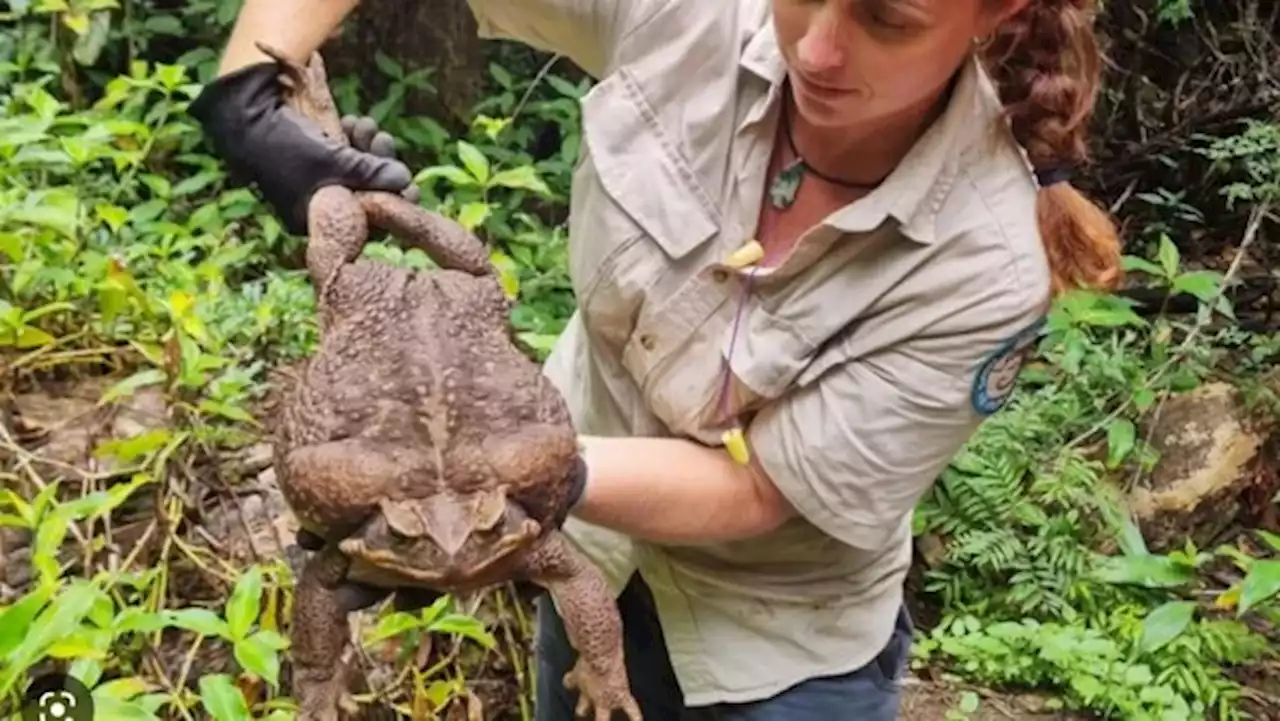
(126, 254)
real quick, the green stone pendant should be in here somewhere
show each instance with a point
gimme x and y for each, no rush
(783, 192)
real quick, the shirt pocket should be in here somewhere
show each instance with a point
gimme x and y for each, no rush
(640, 209)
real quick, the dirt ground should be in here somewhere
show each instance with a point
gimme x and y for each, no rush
(938, 701)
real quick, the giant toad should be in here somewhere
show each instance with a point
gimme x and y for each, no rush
(419, 443)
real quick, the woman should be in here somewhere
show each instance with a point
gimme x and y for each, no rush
(810, 244)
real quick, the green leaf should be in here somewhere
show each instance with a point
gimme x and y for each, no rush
(1203, 284)
(245, 602)
(1143, 399)
(466, 626)
(391, 625)
(126, 387)
(524, 177)
(1168, 256)
(1130, 262)
(1121, 435)
(31, 337)
(200, 620)
(1147, 571)
(222, 699)
(258, 656)
(474, 161)
(1260, 584)
(226, 410)
(62, 615)
(451, 173)
(16, 619)
(1270, 538)
(1165, 624)
(112, 708)
(508, 273)
(122, 689)
(473, 215)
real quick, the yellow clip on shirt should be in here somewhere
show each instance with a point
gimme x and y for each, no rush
(736, 444)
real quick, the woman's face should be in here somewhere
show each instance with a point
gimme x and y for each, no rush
(853, 61)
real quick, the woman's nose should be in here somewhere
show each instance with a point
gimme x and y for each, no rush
(821, 49)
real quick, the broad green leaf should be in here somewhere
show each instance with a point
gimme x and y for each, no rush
(1165, 624)
(122, 689)
(1147, 571)
(391, 625)
(451, 173)
(32, 337)
(473, 215)
(1168, 256)
(226, 410)
(474, 161)
(222, 699)
(1260, 584)
(126, 387)
(1203, 284)
(65, 613)
(1270, 538)
(465, 626)
(1130, 262)
(16, 619)
(258, 656)
(508, 273)
(200, 620)
(1121, 435)
(245, 603)
(117, 710)
(524, 177)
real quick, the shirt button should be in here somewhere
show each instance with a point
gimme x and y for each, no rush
(719, 275)
(646, 342)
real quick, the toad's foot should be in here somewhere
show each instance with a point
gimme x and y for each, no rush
(604, 695)
(319, 638)
(593, 624)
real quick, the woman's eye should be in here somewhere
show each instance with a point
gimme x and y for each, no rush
(885, 16)
(892, 21)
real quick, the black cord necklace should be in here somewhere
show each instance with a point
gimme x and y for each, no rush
(783, 191)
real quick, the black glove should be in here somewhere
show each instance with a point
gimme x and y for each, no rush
(263, 141)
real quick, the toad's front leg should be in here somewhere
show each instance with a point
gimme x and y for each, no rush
(591, 619)
(337, 231)
(319, 638)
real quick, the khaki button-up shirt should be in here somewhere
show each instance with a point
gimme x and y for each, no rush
(863, 362)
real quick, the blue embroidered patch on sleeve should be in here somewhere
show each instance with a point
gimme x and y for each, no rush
(996, 378)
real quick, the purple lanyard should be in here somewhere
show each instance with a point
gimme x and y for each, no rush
(734, 438)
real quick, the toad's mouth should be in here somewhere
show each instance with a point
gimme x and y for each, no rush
(427, 563)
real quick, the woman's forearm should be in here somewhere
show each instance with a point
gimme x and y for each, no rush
(295, 27)
(675, 491)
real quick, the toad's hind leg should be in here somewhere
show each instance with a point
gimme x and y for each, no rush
(445, 241)
(591, 619)
(319, 638)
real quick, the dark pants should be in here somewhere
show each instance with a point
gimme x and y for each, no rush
(870, 693)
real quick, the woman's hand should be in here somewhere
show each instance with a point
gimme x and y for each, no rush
(261, 141)
(264, 142)
(676, 491)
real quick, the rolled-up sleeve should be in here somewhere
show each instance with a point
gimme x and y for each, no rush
(585, 31)
(855, 450)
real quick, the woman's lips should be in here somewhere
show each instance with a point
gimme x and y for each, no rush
(818, 90)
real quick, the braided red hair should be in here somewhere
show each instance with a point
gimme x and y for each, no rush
(1046, 64)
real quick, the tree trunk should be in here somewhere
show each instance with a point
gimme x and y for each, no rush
(435, 34)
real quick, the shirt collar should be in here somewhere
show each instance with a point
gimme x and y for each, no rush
(914, 192)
